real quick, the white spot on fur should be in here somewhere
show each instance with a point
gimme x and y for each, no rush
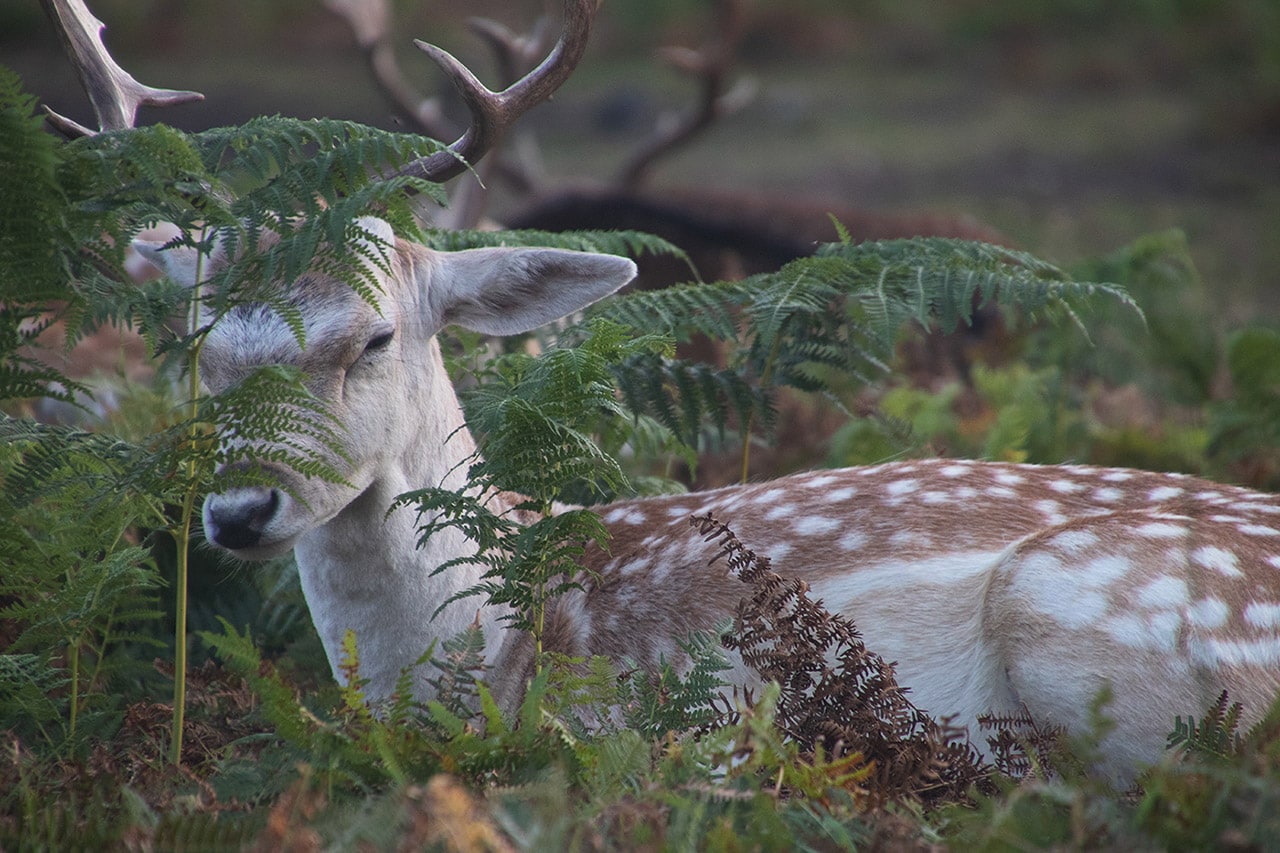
(854, 540)
(1261, 614)
(1163, 493)
(1008, 478)
(821, 481)
(1127, 630)
(908, 539)
(780, 511)
(1274, 561)
(1066, 487)
(637, 566)
(1253, 506)
(1164, 592)
(1258, 530)
(615, 515)
(1051, 510)
(1263, 652)
(1001, 492)
(1075, 600)
(1219, 559)
(954, 470)
(1107, 494)
(1117, 476)
(1074, 541)
(933, 498)
(677, 512)
(771, 495)
(815, 525)
(842, 494)
(1209, 613)
(1162, 530)
(778, 551)
(898, 488)
(1103, 570)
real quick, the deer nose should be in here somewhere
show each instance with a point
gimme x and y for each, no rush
(236, 519)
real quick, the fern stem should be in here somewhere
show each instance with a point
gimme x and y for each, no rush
(75, 685)
(182, 538)
(765, 378)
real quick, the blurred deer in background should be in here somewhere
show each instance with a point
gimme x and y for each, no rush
(727, 234)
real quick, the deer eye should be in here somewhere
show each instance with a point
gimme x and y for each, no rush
(379, 342)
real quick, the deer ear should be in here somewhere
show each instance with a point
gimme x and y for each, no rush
(375, 240)
(505, 291)
(183, 264)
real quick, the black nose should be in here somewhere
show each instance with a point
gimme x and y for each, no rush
(236, 520)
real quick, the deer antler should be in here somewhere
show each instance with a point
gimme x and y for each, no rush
(112, 91)
(493, 112)
(711, 65)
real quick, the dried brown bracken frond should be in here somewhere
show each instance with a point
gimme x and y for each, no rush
(837, 696)
(1019, 746)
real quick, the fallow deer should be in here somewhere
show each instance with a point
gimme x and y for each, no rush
(995, 587)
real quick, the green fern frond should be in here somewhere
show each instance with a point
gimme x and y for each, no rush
(626, 243)
(33, 206)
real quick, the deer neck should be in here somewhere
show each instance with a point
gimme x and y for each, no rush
(364, 571)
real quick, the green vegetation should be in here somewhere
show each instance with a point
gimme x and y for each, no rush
(240, 745)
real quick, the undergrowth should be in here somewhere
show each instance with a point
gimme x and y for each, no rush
(114, 739)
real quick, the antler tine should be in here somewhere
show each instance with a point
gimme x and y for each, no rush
(515, 54)
(711, 65)
(493, 112)
(370, 23)
(113, 92)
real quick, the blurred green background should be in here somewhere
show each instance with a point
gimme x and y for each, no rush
(1072, 126)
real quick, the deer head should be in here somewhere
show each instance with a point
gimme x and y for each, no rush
(375, 365)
